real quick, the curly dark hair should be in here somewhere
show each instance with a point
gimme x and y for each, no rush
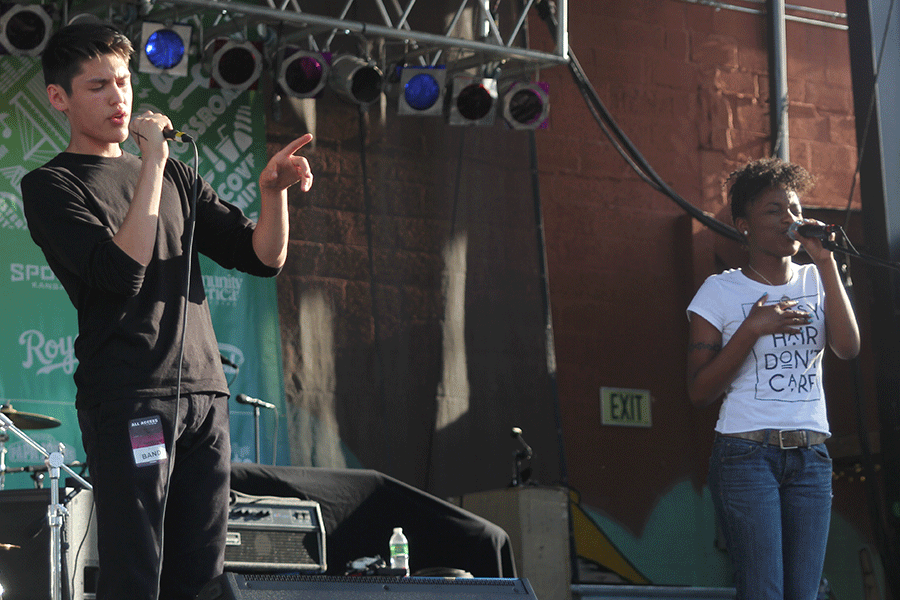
(757, 176)
(73, 44)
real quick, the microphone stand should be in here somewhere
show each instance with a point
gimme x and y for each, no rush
(256, 404)
(524, 454)
(853, 252)
(256, 430)
(56, 512)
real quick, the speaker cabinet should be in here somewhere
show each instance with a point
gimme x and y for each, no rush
(268, 534)
(25, 569)
(233, 586)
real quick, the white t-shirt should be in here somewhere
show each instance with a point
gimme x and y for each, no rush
(779, 386)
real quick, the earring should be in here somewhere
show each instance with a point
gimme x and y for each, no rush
(746, 233)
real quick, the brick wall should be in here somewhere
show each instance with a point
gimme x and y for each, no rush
(454, 207)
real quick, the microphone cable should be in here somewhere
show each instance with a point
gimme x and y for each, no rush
(192, 221)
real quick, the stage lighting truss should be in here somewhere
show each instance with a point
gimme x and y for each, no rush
(356, 80)
(303, 74)
(422, 91)
(526, 105)
(473, 101)
(164, 49)
(236, 65)
(24, 29)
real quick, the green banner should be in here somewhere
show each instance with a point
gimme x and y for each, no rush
(38, 324)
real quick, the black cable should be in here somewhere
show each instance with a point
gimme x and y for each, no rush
(373, 292)
(622, 144)
(192, 221)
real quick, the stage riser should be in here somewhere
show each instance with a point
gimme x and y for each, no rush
(232, 586)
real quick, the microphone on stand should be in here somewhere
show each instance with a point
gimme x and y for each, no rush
(245, 399)
(517, 434)
(818, 231)
(520, 476)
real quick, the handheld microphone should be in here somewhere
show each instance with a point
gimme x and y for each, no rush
(178, 136)
(245, 399)
(811, 230)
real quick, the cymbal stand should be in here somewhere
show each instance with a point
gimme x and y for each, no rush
(56, 513)
(4, 437)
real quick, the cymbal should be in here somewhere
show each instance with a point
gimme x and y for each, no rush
(24, 420)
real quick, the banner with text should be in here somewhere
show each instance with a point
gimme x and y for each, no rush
(38, 323)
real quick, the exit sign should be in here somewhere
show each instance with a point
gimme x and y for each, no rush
(621, 406)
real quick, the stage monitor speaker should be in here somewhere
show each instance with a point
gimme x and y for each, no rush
(271, 534)
(233, 586)
(25, 568)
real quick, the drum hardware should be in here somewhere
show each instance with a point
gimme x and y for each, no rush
(24, 420)
(38, 471)
(56, 512)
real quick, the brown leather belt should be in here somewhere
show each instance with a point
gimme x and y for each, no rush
(786, 439)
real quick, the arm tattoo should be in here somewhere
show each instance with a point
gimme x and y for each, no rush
(715, 347)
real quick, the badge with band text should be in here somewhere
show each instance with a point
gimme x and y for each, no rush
(147, 441)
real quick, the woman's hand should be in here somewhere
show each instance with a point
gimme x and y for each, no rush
(765, 319)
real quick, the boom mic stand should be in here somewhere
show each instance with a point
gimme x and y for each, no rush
(256, 404)
(524, 454)
(56, 512)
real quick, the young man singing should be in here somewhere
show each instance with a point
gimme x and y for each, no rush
(114, 228)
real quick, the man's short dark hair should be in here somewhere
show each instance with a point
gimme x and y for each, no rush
(73, 44)
(757, 176)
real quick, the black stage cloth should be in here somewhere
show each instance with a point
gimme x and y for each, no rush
(360, 508)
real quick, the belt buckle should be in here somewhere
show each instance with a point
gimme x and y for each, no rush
(781, 439)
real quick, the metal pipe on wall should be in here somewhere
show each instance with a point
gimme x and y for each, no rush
(778, 79)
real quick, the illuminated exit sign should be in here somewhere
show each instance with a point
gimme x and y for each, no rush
(620, 406)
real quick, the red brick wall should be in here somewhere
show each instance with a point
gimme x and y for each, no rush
(689, 85)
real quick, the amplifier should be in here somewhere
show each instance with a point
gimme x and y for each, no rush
(274, 534)
(232, 586)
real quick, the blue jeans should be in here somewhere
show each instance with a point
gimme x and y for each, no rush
(774, 507)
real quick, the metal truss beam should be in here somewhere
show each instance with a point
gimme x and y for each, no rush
(430, 46)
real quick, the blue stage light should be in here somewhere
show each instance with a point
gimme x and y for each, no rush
(164, 49)
(422, 91)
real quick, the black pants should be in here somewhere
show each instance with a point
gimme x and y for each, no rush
(131, 495)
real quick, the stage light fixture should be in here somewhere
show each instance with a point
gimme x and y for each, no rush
(303, 74)
(356, 80)
(526, 105)
(473, 101)
(25, 30)
(164, 49)
(236, 65)
(422, 91)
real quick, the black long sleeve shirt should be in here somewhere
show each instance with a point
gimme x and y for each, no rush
(130, 317)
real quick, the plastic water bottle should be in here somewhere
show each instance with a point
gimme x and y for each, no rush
(399, 550)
